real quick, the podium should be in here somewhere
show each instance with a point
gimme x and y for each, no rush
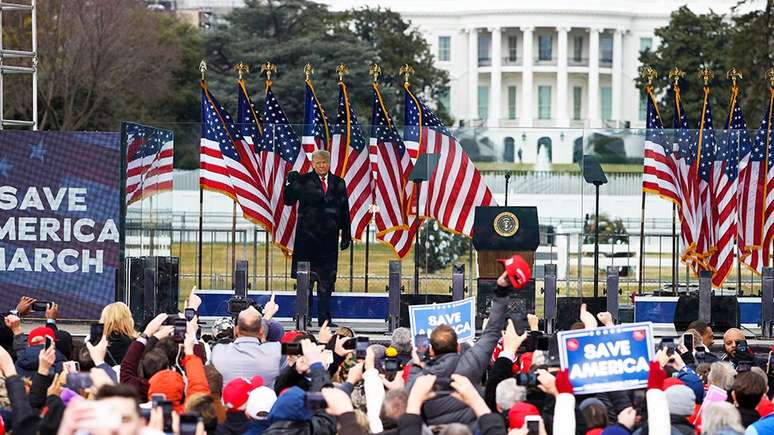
(500, 232)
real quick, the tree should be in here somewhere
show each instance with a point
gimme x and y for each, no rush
(751, 49)
(691, 41)
(438, 248)
(101, 62)
(291, 33)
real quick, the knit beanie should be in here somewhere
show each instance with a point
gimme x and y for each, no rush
(680, 400)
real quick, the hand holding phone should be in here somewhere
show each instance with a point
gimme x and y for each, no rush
(180, 328)
(533, 424)
(361, 346)
(96, 330)
(688, 341)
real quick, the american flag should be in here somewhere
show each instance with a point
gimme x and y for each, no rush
(225, 164)
(250, 128)
(149, 155)
(455, 188)
(684, 155)
(725, 177)
(765, 137)
(350, 156)
(659, 171)
(392, 190)
(282, 149)
(316, 134)
(751, 193)
(705, 211)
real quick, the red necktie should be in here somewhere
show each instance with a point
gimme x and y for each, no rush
(325, 185)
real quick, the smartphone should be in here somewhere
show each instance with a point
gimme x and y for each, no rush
(741, 347)
(166, 408)
(669, 344)
(95, 333)
(533, 424)
(156, 398)
(71, 367)
(770, 365)
(291, 349)
(145, 414)
(48, 343)
(349, 344)
(180, 327)
(188, 423)
(190, 313)
(78, 381)
(688, 341)
(41, 305)
(315, 401)
(361, 346)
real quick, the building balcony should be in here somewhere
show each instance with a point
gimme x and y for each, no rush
(545, 61)
(577, 61)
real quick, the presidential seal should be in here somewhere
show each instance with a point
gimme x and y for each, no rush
(506, 224)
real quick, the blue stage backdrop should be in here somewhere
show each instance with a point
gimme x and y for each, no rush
(60, 219)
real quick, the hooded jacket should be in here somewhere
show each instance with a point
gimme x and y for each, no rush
(289, 415)
(27, 361)
(471, 364)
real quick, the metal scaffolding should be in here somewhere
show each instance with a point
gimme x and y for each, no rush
(32, 69)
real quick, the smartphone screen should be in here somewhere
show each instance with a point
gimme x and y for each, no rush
(180, 328)
(188, 424)
(360, 348)
(48, 342)
(533, 424)
(190, 313)
(291, 349)
(166, 407)
(95, 333)
(688, 342)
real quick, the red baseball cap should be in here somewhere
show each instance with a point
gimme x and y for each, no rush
(518, 411)
(236, 392)
(40, 332)
(519, 271)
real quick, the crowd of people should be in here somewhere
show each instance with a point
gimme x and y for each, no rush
(252, 376)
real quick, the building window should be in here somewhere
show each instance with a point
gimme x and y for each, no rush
(607, 102)
(511, 102)
(577, 49)
(545, 43)
(544, 150)
(513, 52)
(646, 44)
(483, 102)
(643, 107)
(606, 48)
(577, 102)
(444, 100)
(544, 102)
(444, 48)
(484, 47)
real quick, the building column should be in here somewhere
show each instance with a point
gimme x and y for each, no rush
(617, 74)
(527, 108)
(472, 74)
(562, 117)
(593, 115)
(495, 81)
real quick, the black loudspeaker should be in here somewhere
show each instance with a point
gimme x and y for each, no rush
(153, 286)
(411, 299)
(724, 312)
(521, 302)
(568, 309)
(240, 279)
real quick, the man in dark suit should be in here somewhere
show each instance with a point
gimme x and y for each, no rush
(323, 213)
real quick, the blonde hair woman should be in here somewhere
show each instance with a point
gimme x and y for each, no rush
(119, 330)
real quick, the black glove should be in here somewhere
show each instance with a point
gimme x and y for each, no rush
(345, 242)
(292, 177)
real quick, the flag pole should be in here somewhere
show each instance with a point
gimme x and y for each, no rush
(202, 70)
(734, 74)
(674, 75)
(241, 69)
(648, 73)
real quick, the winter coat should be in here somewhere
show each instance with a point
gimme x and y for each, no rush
(27, 361)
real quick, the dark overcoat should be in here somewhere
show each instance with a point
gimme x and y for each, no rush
(322, 217)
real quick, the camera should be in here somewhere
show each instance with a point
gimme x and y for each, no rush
(41, 305)
(528, 379)
(238, 304)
